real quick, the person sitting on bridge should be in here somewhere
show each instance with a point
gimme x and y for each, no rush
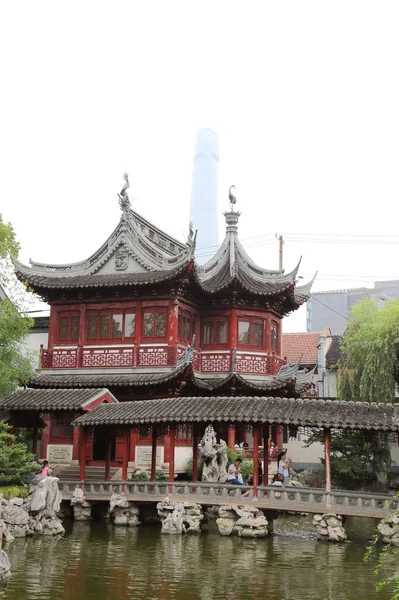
(234, 476)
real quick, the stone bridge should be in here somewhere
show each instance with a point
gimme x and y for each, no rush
(296, 499)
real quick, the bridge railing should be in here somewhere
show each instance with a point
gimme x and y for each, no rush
(295, 498)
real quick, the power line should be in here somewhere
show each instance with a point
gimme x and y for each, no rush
(329, 307)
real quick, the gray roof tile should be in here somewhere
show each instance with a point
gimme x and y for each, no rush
(50, 399)
(290, 411)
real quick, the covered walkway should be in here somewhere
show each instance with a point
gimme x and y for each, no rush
(166, 414)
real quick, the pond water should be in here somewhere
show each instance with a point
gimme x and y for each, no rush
(96, 561)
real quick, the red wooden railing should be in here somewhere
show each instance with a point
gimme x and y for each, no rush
(158, 356)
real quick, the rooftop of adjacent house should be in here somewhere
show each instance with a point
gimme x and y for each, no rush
(334, 352)
(301, 346)
(291, 411)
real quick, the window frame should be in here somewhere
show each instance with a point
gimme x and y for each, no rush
(110, 312)
(213, 321)
(276, 325)
(155, 310)
(251, 320)
(67, 419)
(68, 314)
(185, 316)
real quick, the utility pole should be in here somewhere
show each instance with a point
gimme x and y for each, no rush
(280, 251)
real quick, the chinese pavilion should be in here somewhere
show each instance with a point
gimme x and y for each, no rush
(140, 320)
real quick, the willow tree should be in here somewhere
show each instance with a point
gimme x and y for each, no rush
(15, 361)
(368, 368)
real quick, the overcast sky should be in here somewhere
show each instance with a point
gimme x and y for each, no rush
(304, 97)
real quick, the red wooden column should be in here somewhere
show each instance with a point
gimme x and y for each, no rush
(108, 457)
(266, 454)
(231, 436)
(45, 437)
(172, 433)
(327, 456)
(279, 436)
(82, 454)
(233, 329)
(196, 439)
(153, 452)
(76, 440)
(34, 441)
(126, 439)
(173, 324)
(133, 444)
(256, 436)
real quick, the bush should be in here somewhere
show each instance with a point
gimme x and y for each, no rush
(161, 476)
(247, 469)
(14, 491)
(189, 468)
(16, 463)
(139, 476)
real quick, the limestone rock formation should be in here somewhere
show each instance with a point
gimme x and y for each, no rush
(389, 530)
(214, 457)
(246, 521)
(4, 564)
(81, 507)
(180, 517)
(330, 527)
(122, 511)
(35, 515)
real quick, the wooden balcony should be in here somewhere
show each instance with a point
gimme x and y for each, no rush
(103, 357)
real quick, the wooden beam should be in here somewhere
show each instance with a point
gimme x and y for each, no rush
(45, 436)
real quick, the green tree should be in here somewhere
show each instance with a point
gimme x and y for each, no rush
(368, 369)
(15, 363)
(15, 460)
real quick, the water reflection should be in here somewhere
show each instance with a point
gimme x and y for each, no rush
(102, 562)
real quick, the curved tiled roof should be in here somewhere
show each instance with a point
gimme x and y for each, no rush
(47, 281)
(290, 411)
(50, 399)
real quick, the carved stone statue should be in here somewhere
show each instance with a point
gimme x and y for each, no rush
(214, 457)
(124, 201)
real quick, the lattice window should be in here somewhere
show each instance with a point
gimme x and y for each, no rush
(250, 332)
(110, 325)
(186, 325)
(61, 426)
(154, 323)
(215, 332)
(68, 327)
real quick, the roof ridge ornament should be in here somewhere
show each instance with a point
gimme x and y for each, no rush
(124, 201)
(232, 198)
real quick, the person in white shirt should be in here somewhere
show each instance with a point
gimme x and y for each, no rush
(234, 476)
